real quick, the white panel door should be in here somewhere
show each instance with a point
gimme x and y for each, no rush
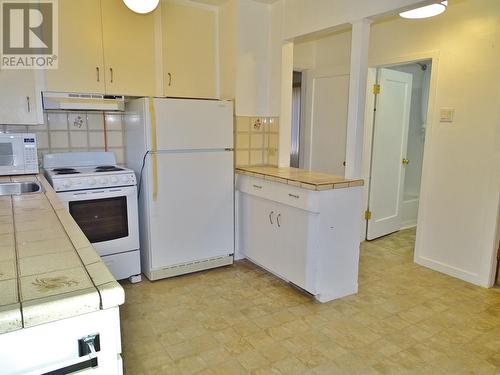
(189, 124)
(327, 116)
(192, 217)
(390, 138)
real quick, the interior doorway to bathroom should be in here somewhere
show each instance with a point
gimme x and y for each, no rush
(399, 109)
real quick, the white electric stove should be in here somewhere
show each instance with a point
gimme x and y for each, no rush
(102, 198)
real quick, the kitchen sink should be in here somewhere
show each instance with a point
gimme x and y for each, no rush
(18, 188)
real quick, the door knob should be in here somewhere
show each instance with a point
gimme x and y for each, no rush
(406, 162)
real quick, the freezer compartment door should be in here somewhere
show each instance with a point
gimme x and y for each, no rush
(190, 124)
(192, 217)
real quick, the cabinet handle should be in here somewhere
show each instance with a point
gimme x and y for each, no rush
(98, 74)
(28, 103)
(293, 195)
(278, 220)
(257, 186)
(169, 79)
(111, 72)
(271, 217)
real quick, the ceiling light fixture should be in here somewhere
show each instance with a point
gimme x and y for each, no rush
(426, 11)
(141, 6)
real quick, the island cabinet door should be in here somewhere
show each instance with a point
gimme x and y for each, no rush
(296, 243)
(259, 232)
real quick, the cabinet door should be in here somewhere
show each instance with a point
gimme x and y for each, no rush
(259, 232)
(293, 227)
(130, 49)
(190, 44)
(80, 60)
(19, 104)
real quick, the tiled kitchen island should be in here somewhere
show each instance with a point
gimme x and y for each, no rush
(52, 282)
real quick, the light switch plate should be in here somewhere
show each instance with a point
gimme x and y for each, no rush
(446, 114)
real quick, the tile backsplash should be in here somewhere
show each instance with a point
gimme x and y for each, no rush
(77, 131)
(256, 140)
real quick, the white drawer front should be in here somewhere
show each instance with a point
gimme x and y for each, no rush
(276, 191)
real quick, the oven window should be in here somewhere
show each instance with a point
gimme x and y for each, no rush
(101, 219)
(6, 155)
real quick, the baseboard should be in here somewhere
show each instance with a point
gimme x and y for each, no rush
(450, 270)
(327, 297)
(408, 225)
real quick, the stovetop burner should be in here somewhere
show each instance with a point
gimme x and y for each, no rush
(64, 169)
(108, 168)
(67, 172)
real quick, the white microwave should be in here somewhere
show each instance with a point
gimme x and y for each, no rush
(18, 154)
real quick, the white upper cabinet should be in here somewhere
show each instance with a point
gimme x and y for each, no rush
(104, 47)
(20, 101)
(190, 45)
(81, 60)
(131, 56)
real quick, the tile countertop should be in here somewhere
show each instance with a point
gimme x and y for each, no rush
(48, 269)
(300, 177)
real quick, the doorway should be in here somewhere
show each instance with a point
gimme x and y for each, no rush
(399, 109)
(296, 116)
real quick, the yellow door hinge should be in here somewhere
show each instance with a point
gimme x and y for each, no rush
(376, 89)
(368, 215)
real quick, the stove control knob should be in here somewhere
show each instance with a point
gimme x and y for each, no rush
(114, 179)
(92, 181)
(102, 180)
(66, 183)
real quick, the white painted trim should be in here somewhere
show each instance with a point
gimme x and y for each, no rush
(367, 142)
(450, 270)
(360, 42)
(496, 243)
(285, 125)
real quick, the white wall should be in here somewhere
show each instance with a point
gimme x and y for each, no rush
(250, 46)
(252, 57)
(307, 16)
(227, 49)
(459, 199)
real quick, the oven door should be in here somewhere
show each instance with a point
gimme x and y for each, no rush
(11, 154)
(108, 217)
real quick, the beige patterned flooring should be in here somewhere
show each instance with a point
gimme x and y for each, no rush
(242, 320)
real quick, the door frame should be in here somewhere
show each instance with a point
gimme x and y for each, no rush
(390, 224)
(433, 56)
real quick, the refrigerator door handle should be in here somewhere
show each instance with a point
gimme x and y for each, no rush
(154, 147)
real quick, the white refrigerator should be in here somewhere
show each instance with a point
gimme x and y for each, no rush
(182, 153)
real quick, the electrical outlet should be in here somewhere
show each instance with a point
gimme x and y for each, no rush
(446, 114)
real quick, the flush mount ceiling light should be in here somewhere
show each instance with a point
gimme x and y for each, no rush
(426, 11)
(141, 6)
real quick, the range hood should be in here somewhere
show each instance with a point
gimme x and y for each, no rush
(82, 102)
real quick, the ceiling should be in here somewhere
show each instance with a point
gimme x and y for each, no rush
(219, 2)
